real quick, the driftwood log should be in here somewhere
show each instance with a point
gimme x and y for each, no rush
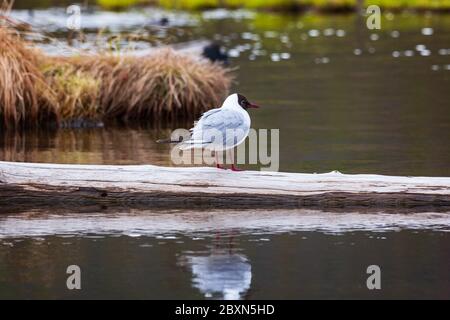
(32, 185)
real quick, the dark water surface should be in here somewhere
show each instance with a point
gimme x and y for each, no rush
(342, 98)
(224, 255)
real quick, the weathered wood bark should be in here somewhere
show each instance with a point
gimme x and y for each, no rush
(27, 185)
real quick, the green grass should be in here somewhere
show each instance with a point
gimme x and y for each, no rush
(277, 4)
(319, 4)
(190, 4)
(117, 4)
(418, 4)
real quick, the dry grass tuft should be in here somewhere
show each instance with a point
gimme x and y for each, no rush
(164, 85)
(25, 96)
(76, 92)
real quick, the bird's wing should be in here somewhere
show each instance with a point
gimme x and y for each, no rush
(204, 116)
(226, 127)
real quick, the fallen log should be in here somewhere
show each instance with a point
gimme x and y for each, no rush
(32, 185)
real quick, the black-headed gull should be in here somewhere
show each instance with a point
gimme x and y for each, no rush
(223, 128)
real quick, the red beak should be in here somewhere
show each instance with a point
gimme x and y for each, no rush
(255, 106)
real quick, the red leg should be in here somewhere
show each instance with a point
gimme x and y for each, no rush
(233, 168)
(218, 166)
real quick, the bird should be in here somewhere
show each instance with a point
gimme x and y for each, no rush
(221, 129)
(214, 53)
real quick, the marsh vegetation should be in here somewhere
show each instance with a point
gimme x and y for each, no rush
(37, 89)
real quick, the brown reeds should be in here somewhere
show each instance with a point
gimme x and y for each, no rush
(165, 85)
(25, 96)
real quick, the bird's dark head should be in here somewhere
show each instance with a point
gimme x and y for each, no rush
(244, 103)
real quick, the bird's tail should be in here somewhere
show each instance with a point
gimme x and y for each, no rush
(193, 144)
(185, 145)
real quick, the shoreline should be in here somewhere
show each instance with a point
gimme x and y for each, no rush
(294, 7)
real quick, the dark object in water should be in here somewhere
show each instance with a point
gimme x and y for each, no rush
(215, 53)
(164, 22)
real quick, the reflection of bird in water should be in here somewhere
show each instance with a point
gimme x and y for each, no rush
(222, 274)
(227, 274)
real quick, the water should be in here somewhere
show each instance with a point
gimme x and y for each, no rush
(294, 254)
(344, 98)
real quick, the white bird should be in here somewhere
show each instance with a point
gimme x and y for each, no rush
(223, 128)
